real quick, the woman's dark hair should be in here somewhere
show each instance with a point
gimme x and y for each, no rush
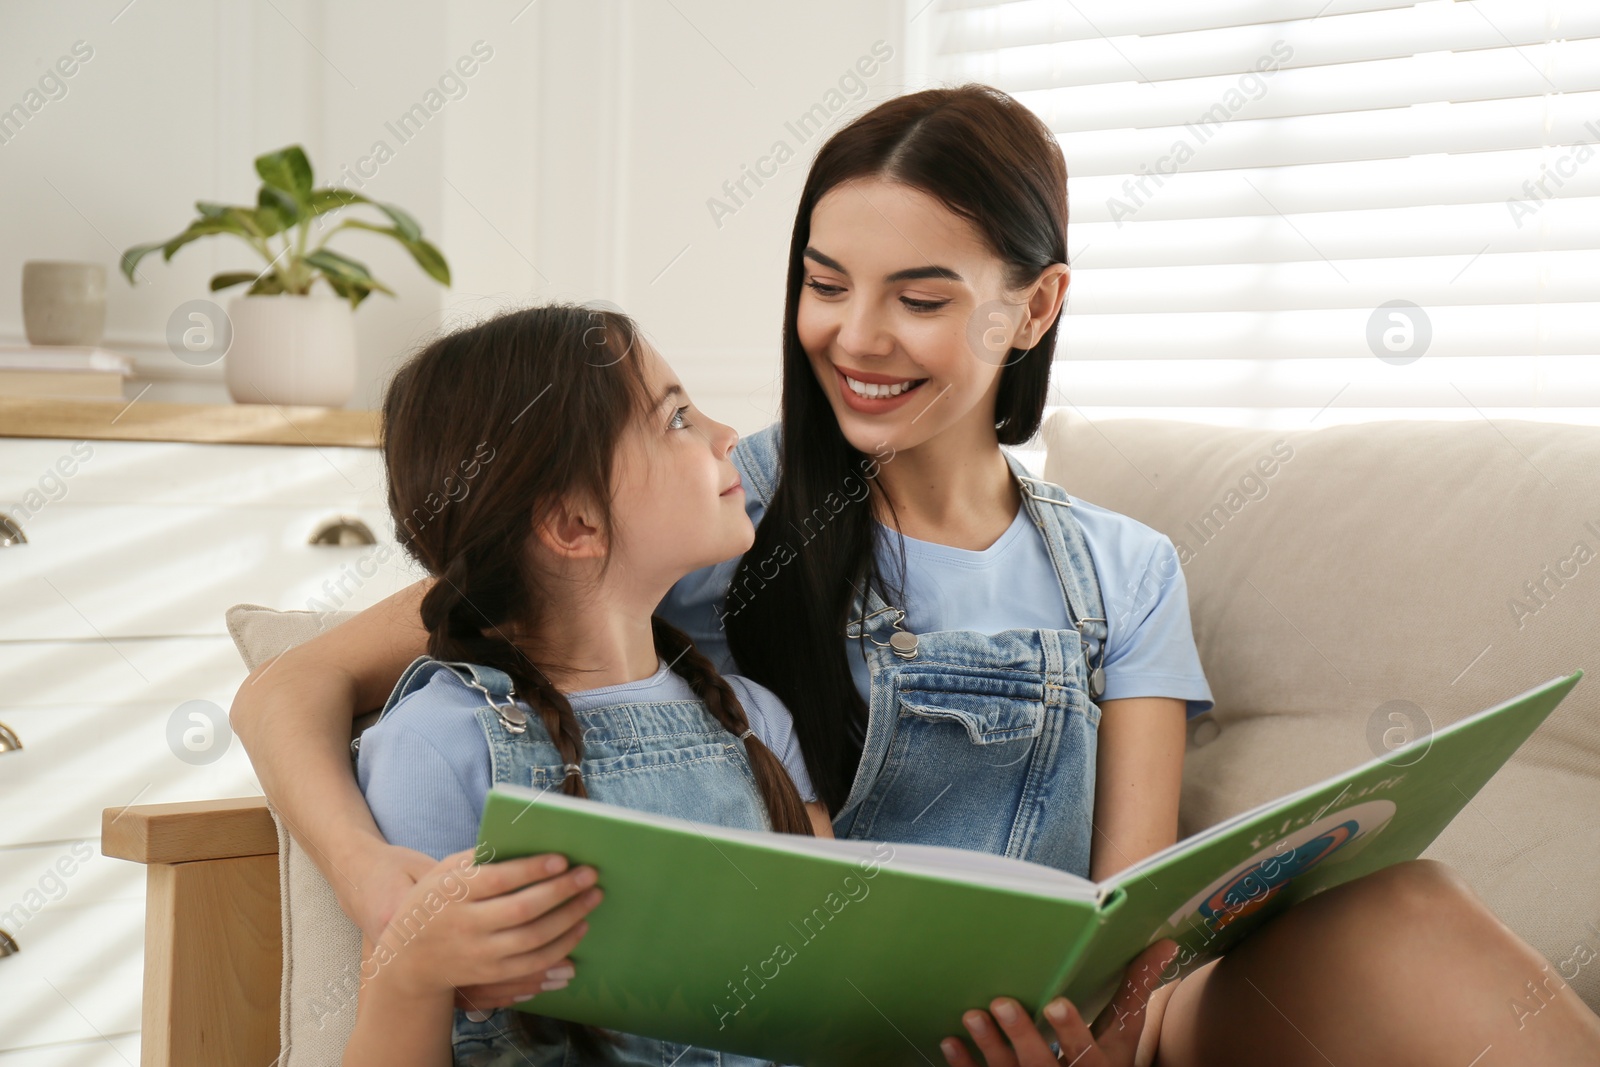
(485, 432)
(993, 162)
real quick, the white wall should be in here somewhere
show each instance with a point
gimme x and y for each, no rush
(576, 165)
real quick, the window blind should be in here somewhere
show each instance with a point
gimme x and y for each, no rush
(1297, 212)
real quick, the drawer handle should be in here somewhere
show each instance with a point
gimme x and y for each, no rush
(342, 531)
(8, 944)
(9, 741)
(11, 532)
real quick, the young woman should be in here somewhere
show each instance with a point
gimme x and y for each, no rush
(971, 657)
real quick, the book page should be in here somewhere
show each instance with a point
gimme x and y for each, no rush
(1400, 757)
(1213, 889)
(938, 861)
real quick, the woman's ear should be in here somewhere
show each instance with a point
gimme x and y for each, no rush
(572, 531)
(1043, 303)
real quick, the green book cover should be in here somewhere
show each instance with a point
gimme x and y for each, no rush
(813, 951)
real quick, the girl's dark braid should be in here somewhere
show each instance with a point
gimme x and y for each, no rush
(784, 806)
(454, 613)
(555, 710)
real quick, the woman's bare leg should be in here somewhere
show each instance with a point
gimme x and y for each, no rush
(1405, 966)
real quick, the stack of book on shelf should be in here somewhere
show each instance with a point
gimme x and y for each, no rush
(62, 370)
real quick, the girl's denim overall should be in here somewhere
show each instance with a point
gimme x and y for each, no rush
(669, 757)
(980, 741)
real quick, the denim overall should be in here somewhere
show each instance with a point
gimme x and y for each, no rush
(667, 757)
(978, 741)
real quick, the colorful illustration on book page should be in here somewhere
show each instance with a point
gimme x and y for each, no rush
(1252, 885)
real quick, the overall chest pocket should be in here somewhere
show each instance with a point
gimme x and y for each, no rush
(987, 721)
(964, 746)
(978, 759)
(990, 706)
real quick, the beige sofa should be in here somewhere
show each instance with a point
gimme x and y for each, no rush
(1350, 587)
(1367, 580)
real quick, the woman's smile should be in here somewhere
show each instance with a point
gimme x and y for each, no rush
(874, 394)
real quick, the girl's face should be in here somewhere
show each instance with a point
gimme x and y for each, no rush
(677, 500)
(906, 317)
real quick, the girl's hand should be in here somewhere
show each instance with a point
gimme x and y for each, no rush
(389, 874)
(1016, 1042)
(497, 925)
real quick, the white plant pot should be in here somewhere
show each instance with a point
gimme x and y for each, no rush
(291, 350)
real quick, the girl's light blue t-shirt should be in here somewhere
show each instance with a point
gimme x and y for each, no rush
(1150, 650)
(424, 766)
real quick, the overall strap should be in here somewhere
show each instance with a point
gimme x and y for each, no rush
(497, 690)
(1051, 510)
(865, 611)
(414, 677)
(491, 682)
(757, 458)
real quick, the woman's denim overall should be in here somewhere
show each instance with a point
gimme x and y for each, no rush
(668, 757)
(979, 741)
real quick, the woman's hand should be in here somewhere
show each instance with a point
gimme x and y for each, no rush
(486, 927)
(1016, 1042)
(378, 883)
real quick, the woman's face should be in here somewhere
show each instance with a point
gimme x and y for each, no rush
(677, 501)
(906, 317)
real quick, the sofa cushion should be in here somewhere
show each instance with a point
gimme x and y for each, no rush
(321, 945)
(1354, 586)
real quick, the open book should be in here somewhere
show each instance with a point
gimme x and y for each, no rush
(862, 952)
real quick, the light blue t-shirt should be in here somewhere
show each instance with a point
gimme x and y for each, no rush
(424, 767)
(1150, 650)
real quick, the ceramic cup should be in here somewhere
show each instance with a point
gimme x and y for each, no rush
(63, 303)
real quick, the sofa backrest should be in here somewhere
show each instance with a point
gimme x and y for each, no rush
(1331, 572)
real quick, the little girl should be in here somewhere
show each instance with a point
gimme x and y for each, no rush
(549, 471)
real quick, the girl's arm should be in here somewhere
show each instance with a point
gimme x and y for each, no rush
(396, 1025)
(293, 714)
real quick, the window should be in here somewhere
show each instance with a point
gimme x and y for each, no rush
(1296, 212)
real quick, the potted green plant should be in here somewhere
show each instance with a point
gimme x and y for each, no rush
(300, 350)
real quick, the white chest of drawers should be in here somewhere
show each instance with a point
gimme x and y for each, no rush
(131, 531)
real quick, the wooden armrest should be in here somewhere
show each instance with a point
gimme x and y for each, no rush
(213, 949)
(189, 831)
